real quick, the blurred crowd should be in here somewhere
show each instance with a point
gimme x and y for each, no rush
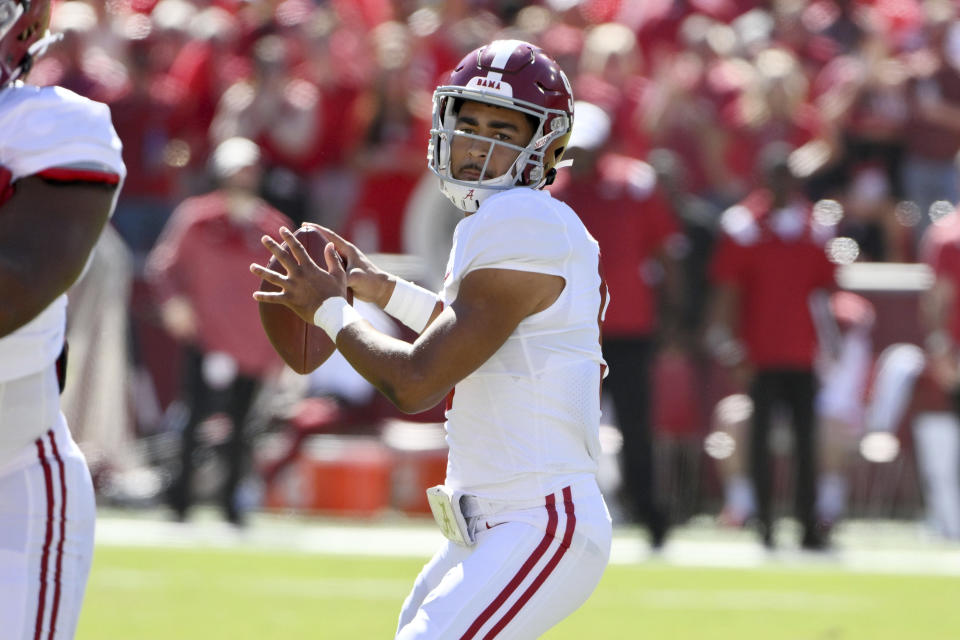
(695, 100)
(337, 95)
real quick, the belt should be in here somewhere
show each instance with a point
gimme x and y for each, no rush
(472, 505)
(477, 506)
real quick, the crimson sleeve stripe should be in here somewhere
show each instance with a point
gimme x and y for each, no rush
(62, 174)
(48, 481)
(547, 570)
(63, 524)
(521, 574)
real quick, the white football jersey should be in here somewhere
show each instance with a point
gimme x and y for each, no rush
(529, 416)
(44, 128)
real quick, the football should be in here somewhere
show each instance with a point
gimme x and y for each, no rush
(303, 346)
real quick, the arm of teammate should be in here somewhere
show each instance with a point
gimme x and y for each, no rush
(47, 231)
(489, 306)
(935, 305)
(367, 281)
(721, 338)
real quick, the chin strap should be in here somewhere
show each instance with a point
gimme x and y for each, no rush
(36, 50)
(552, 174)
(39, 47)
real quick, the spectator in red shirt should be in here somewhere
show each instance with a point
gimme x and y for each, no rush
(679, 107)
(618, 199)
(940, 249)
(142, 114)
(932, 136)
(841, 402)
(772, 107)
(208, 240)
(304, 125)
(861, 100)
(610, 77)
(389, 161)
(936, 434)
(768, 265)
(198, 74)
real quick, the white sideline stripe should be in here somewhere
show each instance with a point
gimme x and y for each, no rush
(305, 588)
(347, 539)
(422, 541)
(739, 600)
(393, 589)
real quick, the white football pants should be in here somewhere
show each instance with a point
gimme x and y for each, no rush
(530, 568)
(936, 436)
(47, 513)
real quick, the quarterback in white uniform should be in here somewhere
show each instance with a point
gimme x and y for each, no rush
(60, 171)
(512, 344)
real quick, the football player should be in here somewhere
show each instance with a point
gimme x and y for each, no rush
(60, 171)
(511, 342)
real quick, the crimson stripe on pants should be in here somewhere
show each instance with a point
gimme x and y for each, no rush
(48, 481)
(521, 574)
(547, 570)
(63, 525)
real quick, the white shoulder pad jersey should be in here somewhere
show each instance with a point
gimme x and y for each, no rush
(55, 133)
(529, 416)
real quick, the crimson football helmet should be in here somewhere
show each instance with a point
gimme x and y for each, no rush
(515, 75)
(23, 36)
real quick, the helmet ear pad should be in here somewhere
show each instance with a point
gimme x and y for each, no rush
(556, 152)
(552, 157)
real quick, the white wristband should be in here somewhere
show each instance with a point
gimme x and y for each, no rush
(411, 304)
(335, 314)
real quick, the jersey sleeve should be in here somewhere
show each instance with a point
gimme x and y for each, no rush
(57, 134)
(510, 235)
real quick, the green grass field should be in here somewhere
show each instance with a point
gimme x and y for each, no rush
(205, 594)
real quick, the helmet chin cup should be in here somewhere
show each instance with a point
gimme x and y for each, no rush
(467, 200)
(468, 196)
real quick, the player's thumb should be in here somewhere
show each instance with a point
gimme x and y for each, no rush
(355, 277)
(334, 265)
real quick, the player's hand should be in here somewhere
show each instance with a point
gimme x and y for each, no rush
(742, 375)
(944, 370)
(179, 319)
(366, 280)
(305, 285)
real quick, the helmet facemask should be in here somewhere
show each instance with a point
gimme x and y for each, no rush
(23, 37)
(10, 13)
(527, 170)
